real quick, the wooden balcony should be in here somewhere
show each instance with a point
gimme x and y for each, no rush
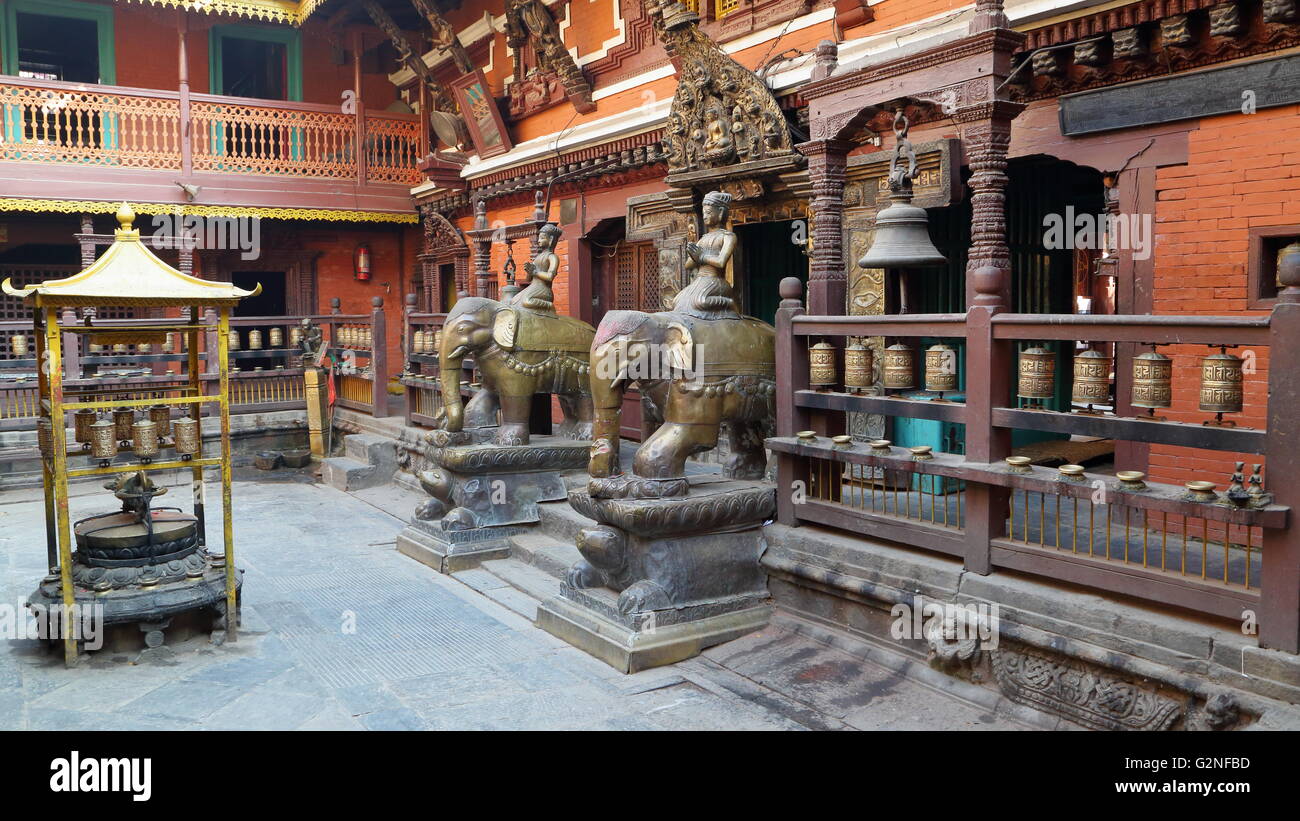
(71, 141)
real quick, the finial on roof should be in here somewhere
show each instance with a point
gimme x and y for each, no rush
(125, 216)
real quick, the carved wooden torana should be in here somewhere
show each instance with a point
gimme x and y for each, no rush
(530, 22)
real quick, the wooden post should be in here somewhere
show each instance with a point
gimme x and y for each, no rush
(988, 385)
(187, 137)
(378, 359)
(827, 282)
(71, 346)
(791, 375)
(227, 513)
(357, 44)
(210, 343)
(54, 380)
(1279, 621)
(315, 394)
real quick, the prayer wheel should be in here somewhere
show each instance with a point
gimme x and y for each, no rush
(1153, 375)
(169, 343)
(119, 347)
(123, 419)
(367, 337)
(900, 365)
(940, 368)
(821, 365)
(18, 344)
(295, 337)
(1092, 378)
(255, 340)
(144, 439)
(144, 347)
(277, 337)
(161, 416)
(233, 337)
(82, 421)
(857, 367)
(103, 439)
(45, 436)
(1221, 386)
(1037, 373)
(185, 432)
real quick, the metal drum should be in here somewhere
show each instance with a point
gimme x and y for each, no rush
(1221, 387)
(1037, 373)
(899, 368)
(277, 337)
(45, 436)
(821, 365)
(233, 338)
(82, 421)
(161, 416)
(367, 337)
(857, 367)
(123, 419)
(295, 337)
(255, 340)
(185, 432)
(1092, 378)
(103, 439)
(940, 368)
(1153, 375)
(18, 344)
(144, 439)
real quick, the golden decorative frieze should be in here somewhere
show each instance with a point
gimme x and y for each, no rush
(292, 12)
(106, 207)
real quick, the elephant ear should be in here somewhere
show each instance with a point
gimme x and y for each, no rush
(681, 347)
(505, 326)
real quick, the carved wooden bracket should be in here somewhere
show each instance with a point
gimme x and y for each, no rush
(530, 23)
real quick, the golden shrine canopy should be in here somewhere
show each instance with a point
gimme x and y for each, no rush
(128, 273)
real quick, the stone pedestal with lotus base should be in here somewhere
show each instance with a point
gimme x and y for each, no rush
(662, 579)
(482, 493)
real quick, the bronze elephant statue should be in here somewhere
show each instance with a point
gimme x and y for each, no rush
(699, 378)
(518, 352)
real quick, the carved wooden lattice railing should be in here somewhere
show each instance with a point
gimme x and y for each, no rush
(246, 137)
(392, 148)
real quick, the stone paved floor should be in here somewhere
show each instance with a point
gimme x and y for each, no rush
(427, 652)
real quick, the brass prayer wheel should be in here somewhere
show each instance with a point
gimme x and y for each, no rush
(277, 337)
(144, 439)
(821, 365)
(295, 336)
(1037, 373)
(437, 341)
(255, 340)
(900, 366)
(185, 432)
(103, 439)
(233, 337)
(940, 368)
(18, 344)
(1153, 375)
(82, 421)
(123, 419)
(95, 347)
(119, 347)
(857, 367)
(367, 337)
(161, 416)
(1221, 386)
(45, 436)
(169, 342)
(1092, 378)
(144, 347)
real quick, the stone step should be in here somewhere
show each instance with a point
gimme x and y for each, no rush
(526, 586)
(347, 474)
(372, 449)
(544, 552)
(561, 522)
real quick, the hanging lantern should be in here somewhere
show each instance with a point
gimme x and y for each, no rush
(857, 367)
(1037, 373)
(1092, 378)
(45, 436)
(185, 434)
(1153, 375)
(255, 340)
(123, 419)
(1221, 385)
(821, 365)
(161, 416)
(900, 364)
(233, 338)
(277, 337)
(81, 423)
(144, 439)
(902, 235)
(18, 344)
(361, 263)
(940, 369)
(103, 439)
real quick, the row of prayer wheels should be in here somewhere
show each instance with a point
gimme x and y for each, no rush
(274, 338)
(145, 434)
(898, 368)
(1152, 384)
(354, 336)
(426, 341)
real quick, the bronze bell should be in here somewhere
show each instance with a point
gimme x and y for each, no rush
(900, 365)
(902, 237)
(1221, 387)
(940, 368)
(1037, 374)
(821, 365)
(1092, 378)
(1152, 380)
(857, 367)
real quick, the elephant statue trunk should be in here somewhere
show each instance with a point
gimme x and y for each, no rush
(449, 365)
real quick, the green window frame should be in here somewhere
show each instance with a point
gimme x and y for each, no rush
(291, 39)
(101, 15)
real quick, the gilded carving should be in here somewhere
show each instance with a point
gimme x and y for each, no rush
(530, 22)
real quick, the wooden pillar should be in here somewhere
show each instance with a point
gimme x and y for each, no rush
(357, 44)
(1279, 621)
(482, 252)
(827, 282)
(378, 359)
(791, 375)
(987, 138)
(187, 140)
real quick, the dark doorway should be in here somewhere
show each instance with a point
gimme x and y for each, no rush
(447, 286)
(271, 302)
(58, 48)
(768, 253)
(254, 68)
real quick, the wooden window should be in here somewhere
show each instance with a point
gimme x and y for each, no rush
(636, 282)
(1266, 244)
(725, 7)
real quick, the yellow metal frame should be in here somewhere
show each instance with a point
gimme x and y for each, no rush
(55, 470)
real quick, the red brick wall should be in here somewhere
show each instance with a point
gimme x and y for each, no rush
(1243, 171)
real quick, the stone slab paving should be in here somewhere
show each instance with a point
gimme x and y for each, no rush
(341, 632)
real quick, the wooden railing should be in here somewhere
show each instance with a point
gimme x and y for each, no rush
(1149, 540)
(360, 350)
(81, 124)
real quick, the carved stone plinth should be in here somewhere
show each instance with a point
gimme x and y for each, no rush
(480, 493)
(662, 579)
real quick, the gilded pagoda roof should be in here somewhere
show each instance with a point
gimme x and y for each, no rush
(128, 273)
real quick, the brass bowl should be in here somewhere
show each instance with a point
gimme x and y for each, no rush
(880, 445)
(1018, 464)
(1131, 479)
(842, 439)
(1071, 473)
(1200, 491)
(922, 453)
(807, 434)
